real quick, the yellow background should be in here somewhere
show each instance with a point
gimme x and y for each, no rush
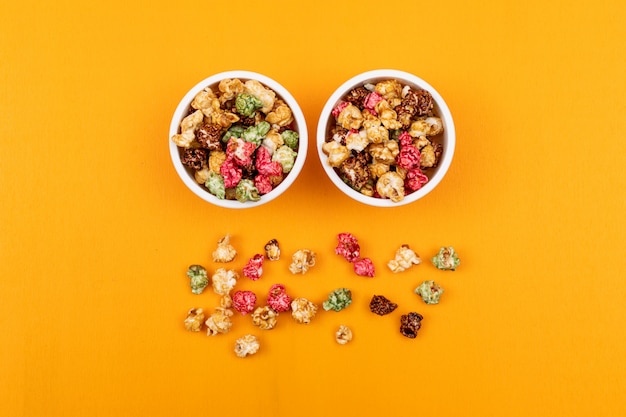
(97, 231)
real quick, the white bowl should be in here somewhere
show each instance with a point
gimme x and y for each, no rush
(447, 138)
(187, 174)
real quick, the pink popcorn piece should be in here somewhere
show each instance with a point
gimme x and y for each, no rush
(340, 107)
(240, 151)
(415, 179)
(231, 173)
(371, 100)
(264, 164)
(278, 299)
(405, 139)
(254, 267)
(364, 267)
(244, 301)
(348, 247)
(409, 157)
(263, 184)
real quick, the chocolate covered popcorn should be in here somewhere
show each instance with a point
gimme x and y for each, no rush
(383, 139)
(239, 139)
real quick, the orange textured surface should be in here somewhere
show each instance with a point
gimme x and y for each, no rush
(97, 231)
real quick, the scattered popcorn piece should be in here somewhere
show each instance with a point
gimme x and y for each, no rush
(198, 278)
(410, 324)
(246, 345)
(405, 258)
(348, 247)
(364, 267)
(254, 267)
(302, 261)
(278, 299)
(224, 281)
(303, 310)
(343, 335)
(244, 301)
(338, 299)
(272, 250)
(219, 321)
(264, 317)
(429, 291)
(226, 301)
(194, 319)
(381, 305)
(225, 252)
(446, 259)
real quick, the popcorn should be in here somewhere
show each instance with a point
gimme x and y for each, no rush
(364, 267)
(246, 345)
(194, 319)
(338, 299)
(264, 318)
(446, 259)
(410, 324)
(278, 299)
(225, 252)
(303, 310)
(224, 133)
(348, 247)
(254, 267)
(272, 250)
(302, 261)
(244, 301)
(219, 322)
(429, 291)
(343, 335)
(381, 305)
(405, 258)
(385, 123)
(224, 281)
(198, 278)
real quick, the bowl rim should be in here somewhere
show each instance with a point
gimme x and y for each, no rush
(377, 75)
(280, 90)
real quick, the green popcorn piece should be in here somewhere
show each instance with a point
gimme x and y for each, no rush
(198, 277)
(215, 184)
(286, 157)
(246, 191)
(256, 134)
(429, 291)
(446, 259)
(247, 104)
(338, 299)
(233, 131)
(291, 139)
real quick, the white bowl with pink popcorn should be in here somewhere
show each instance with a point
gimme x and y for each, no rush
(386, 138)
(238, 139)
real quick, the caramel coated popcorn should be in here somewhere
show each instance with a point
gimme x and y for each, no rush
(194, 319)
(405, 258)
(219, 321)
(237, 121)
(303, 310)
(302, 261)
(343, 335)
(225, 252)
(272, 250)
(246, 345)
(224, 280)
(384, 139)
(264, 317)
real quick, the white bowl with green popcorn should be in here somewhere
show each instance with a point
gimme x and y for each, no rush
(385, 138)
(238, 139)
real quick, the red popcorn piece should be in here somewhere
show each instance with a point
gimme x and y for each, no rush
(337, 110)
(278, 299)
(348, 247)
(405, 139)
(415, 179)
(364, 267)
(244, 301)
(409, 157)
(371, 100)
(264, 164)
(254, 267)
(263, 184)
(240, 151)
(231, 173)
